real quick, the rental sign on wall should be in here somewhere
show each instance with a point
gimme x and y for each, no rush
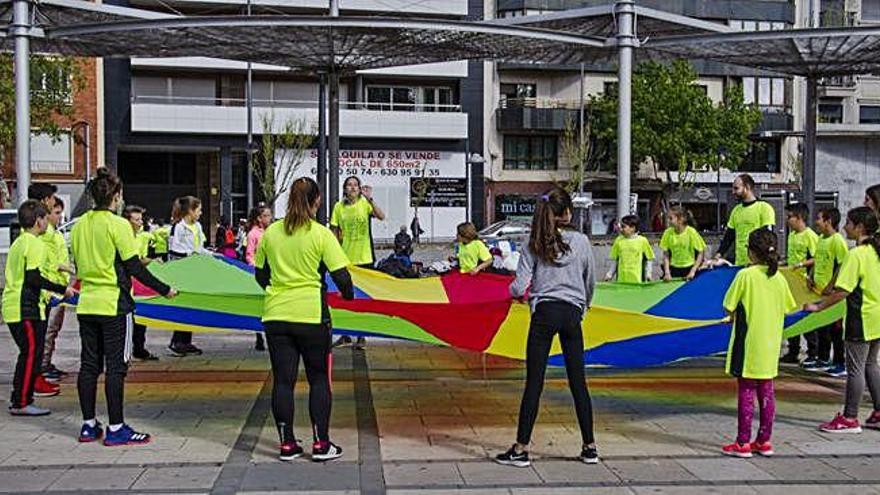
(398, 178)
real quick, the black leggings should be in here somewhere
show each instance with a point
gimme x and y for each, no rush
(287, 343)
(679, 272)
(548, 319)
(104, 339)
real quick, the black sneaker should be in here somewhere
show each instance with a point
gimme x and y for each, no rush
(144, 355)
(290, 450)
(260, 345)
(513, 458)
(342, 341)
(191, 349)
(589, 455)
(326, 451)
(178, 350)
(360, 343)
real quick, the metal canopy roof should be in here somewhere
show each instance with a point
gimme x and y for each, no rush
(802, 52)
(600, 21)
(75, 27)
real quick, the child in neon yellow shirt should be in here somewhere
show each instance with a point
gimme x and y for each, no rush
(633, 253)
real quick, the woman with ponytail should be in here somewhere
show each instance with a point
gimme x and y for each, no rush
(106, 256)
(858, 281)
(558, 273)
(291, 259)
(757, 301)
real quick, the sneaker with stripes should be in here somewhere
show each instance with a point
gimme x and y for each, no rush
(325, 451)
(125, 435)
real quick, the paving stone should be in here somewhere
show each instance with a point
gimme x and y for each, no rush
(301, 474)
(696, 490)
(459, 491)
(864, 469)
(28, 480)
(724, 469)
(159, 478)
(490, 473)
(422, 474)
(572, 471)
(97, 479)
(649, 470)
(803, 469)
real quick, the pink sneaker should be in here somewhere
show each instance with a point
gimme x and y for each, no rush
(762, 449)
(840, 424)
(873, 421)
(737, 450)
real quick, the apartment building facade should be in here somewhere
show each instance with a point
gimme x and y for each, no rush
(529, 108)
(178, 126)
(848, 133)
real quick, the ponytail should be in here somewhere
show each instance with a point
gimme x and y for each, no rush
(762, 243)
(866, 217)
(104, 187)
(545, 239)
(304, 193)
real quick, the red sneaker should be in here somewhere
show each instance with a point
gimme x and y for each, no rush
(841, 424)
(873, 421)
(737, 450)
(763, 449)
(42, 388)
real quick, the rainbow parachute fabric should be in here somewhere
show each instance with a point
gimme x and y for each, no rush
(628, 325)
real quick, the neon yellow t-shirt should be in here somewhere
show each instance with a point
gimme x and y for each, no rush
(682, 248)
(631, 254)
(56, 254)
(745, 219)
(143, 240)
(354, 222)
(472, 254)
(294, 291)
(19, 301)
(801, 246)
(860, 276)
(830, 252)
(160, 239)
(100, 242)
(759, 304)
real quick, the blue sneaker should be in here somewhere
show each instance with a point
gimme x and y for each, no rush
(837, 371)
(125, 436)
(91, 433)
(818, 366)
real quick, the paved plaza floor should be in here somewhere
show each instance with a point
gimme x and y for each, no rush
(418, 419)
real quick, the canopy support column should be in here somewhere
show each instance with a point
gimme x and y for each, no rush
(625, 12)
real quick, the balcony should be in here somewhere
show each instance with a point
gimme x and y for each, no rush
(838, 86)
(535, 114)
(199, 115)
(776, 119)
(440, 69)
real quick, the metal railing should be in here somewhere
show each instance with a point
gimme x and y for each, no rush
(539, 103)
(305, 104)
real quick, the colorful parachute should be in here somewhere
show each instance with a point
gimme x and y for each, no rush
(628, 325)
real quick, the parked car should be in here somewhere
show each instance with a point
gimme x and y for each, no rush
(506, 230)
(7, 218)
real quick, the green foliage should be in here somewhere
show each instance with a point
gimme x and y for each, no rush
(674, 122)
(54, 80)
(281, 152)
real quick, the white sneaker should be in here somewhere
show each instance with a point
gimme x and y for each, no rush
(28, 410)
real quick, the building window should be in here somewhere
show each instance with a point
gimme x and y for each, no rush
(869, 114)
(51, 156)
(530, 152)
(763, 157)
(56, 84)
(831, 112)
(765, 91)
(410, 98)
(517, 95)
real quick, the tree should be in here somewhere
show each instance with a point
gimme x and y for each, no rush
(575, 153)
(675, 125)
(54, 81)
(281, 153)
